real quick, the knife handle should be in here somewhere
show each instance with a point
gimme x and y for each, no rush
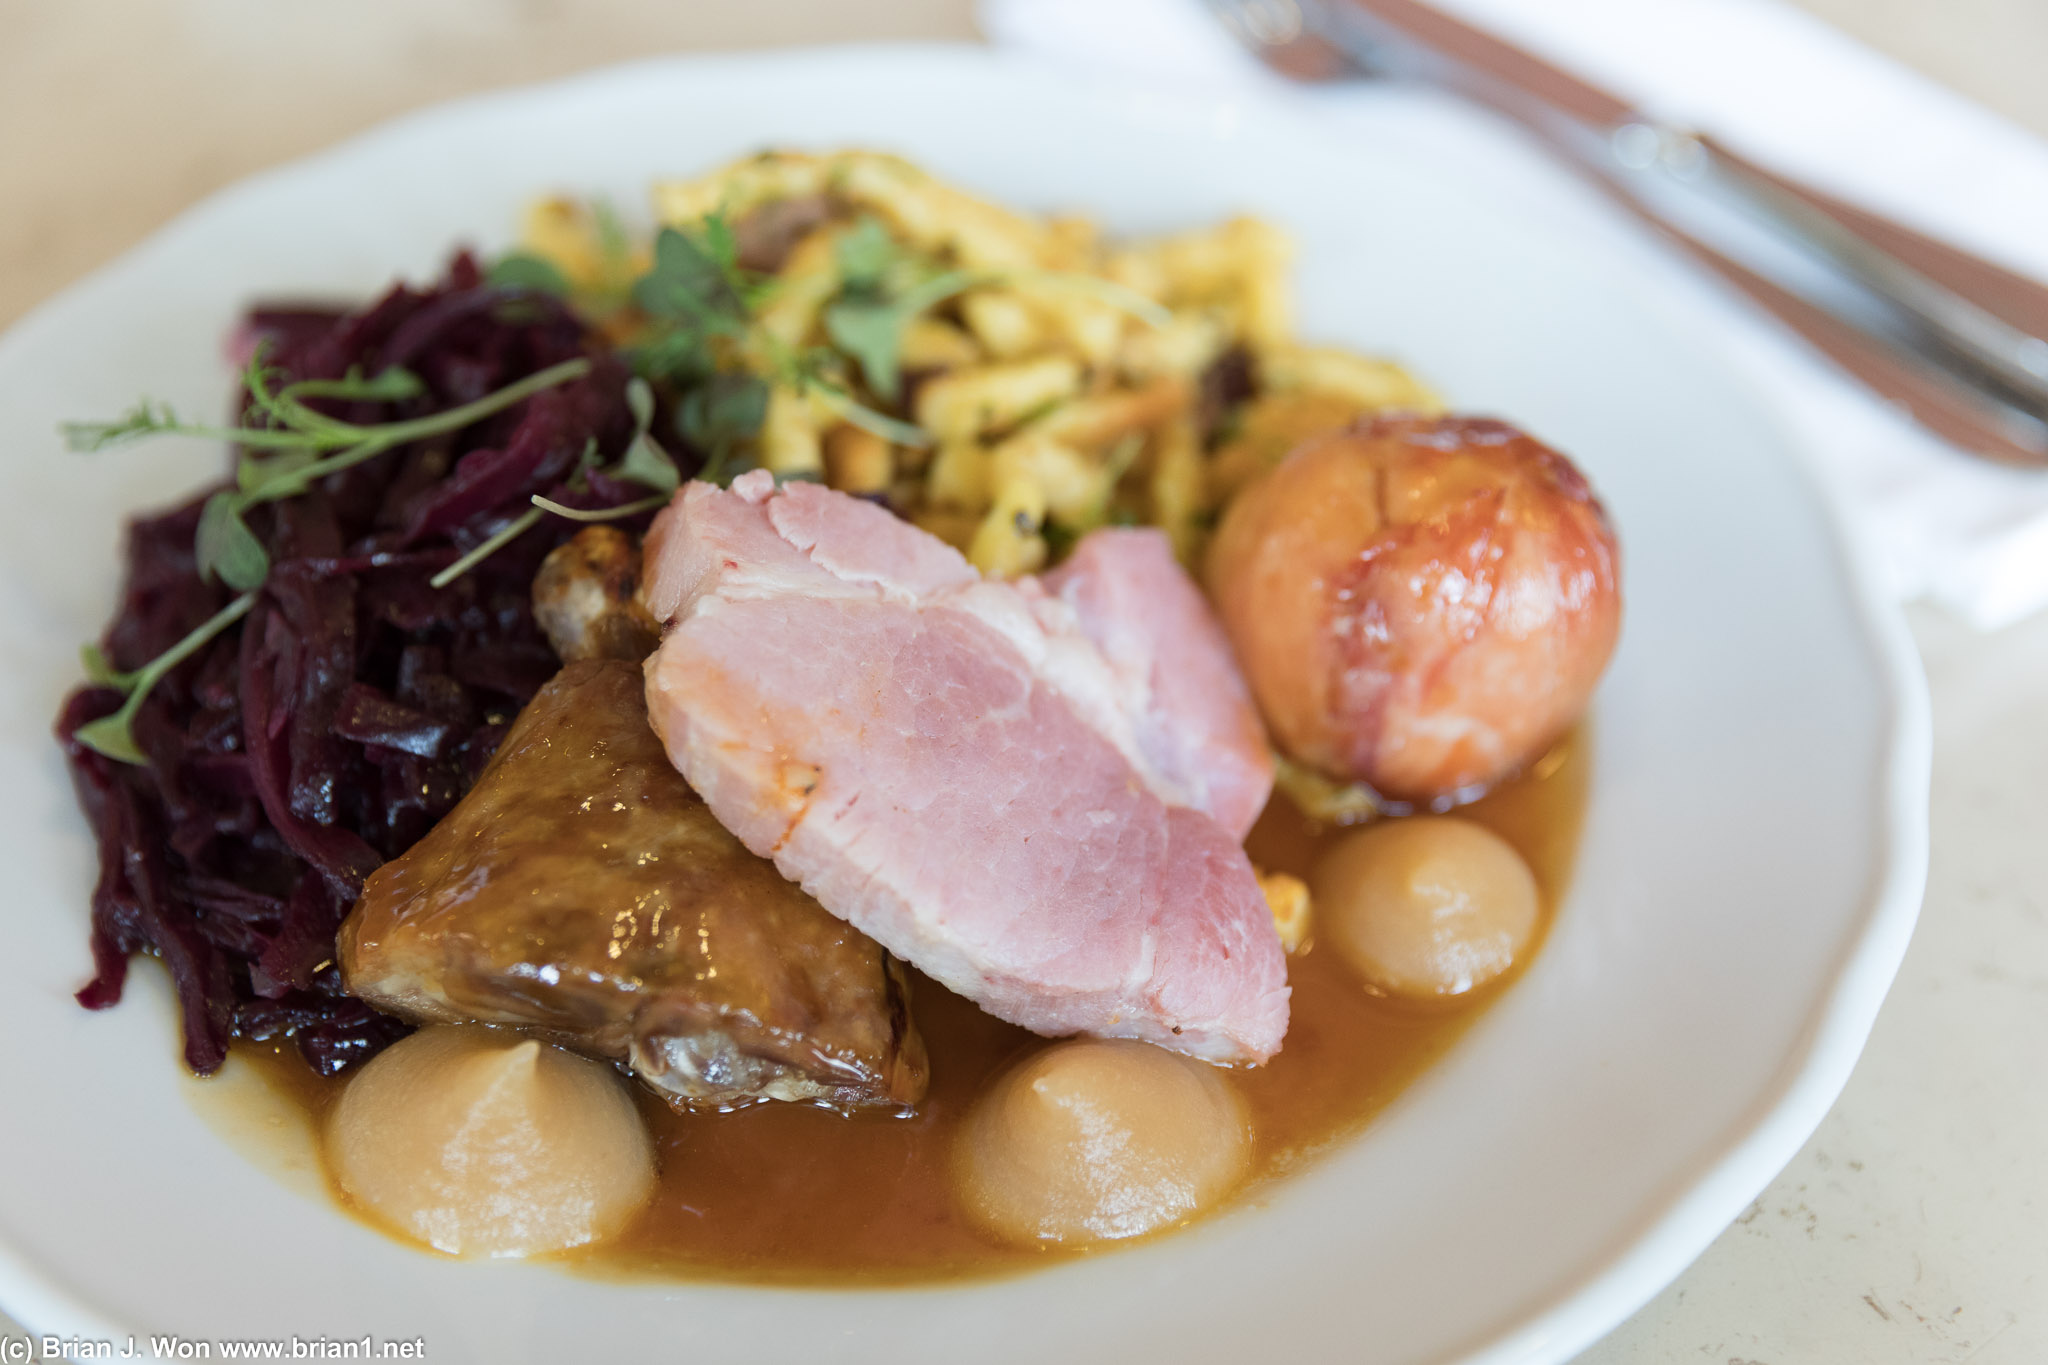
(1978, 374)
(1956, 412)
(2017, 299)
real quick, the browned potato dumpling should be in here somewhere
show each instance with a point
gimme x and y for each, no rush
(1420, 604)
(1428, 907)
(1093, 1140)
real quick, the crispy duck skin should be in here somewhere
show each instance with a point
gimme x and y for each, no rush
(584, 890)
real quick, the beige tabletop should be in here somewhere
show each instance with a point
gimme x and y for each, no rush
(1912, 1228)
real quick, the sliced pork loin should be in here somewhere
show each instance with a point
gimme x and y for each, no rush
(1194, 716)
(956, 768)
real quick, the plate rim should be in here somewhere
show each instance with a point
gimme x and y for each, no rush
(1819, 1064)
(1671, 1232)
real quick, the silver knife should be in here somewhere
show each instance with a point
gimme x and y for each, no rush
(1962, 343)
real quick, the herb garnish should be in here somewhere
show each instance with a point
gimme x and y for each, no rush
(619, 513)
(884, 288)
(644, 463)
(489, 546)
(299, 446)
(522, 270)
(694, 295)
(112, 735)
(700, 306)
(297, 437)
(719, 414)
(868, 326)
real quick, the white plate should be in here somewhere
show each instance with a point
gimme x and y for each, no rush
(1751, 866)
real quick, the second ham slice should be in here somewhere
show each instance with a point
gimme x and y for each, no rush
(971, 772)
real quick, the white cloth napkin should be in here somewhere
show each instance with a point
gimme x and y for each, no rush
(1784, 87)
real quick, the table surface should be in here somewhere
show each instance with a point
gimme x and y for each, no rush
(1914, 1225)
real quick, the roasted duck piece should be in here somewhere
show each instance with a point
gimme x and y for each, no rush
(583, 598)
(583, 889)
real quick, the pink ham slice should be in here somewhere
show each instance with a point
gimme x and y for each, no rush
(1196, 724)
(959, 770)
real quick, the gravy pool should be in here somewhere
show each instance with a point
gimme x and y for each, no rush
(789, 1194)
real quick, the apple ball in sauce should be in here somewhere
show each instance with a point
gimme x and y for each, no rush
(1421, 605)
(1094, 1140)
(480, 1142)
(1427, 908)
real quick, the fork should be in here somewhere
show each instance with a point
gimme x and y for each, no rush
(1960, 343)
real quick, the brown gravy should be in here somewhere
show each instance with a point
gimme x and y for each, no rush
(788, 1194)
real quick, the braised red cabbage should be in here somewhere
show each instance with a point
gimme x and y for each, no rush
(355, 703)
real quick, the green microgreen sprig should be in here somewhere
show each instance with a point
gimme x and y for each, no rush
(702, 303)
(113, 735)
(884, 287)
(644, 463)
(587, 514)
(286, 447)
(868, 325)
(523, 270)
(296, 445)
(487, 547)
